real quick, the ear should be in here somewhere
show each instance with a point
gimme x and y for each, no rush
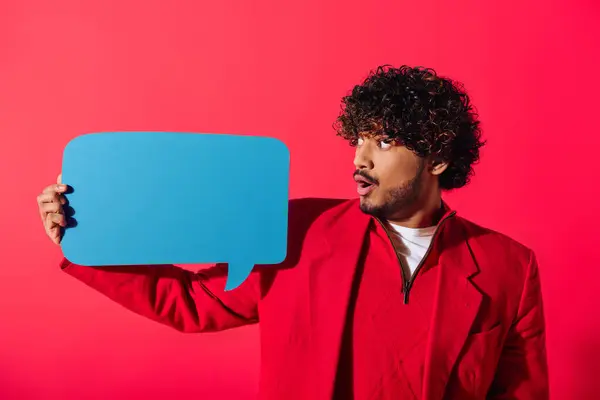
(437, 166)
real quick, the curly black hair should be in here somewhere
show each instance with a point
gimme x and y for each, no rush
(414, 107)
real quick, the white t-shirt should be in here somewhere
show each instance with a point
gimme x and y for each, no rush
(412, 244)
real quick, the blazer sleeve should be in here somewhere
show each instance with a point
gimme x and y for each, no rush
(197, 302)
(522, 372)
(185, 300)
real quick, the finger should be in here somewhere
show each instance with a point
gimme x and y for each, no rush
(56, 188)
(51, 207)
(55, 219)
(51, 197)
(54, 234)
(50, 203)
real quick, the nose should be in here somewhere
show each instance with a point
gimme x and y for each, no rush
(362, 157)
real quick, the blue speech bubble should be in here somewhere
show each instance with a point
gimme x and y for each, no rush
(149, 198)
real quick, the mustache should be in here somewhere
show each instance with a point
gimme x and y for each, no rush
(368, 177)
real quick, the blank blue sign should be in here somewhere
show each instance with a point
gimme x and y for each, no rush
(177, 198)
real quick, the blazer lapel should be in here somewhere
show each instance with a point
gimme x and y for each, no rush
(331, 277)
(455, 307)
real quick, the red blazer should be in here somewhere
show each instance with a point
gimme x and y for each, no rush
(487, 337)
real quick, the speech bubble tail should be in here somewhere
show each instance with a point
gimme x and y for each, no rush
(237, 274)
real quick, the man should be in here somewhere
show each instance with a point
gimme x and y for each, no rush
(389, 296)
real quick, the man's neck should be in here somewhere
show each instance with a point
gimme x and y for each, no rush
(423, 217)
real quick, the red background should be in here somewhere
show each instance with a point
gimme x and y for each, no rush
(279, 69)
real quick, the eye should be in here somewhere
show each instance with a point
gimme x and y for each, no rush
(385, 144)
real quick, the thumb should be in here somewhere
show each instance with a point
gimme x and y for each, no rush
(59, 179)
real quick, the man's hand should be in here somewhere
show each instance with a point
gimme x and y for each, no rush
(50, 204)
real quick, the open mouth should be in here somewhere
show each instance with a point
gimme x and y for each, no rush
(364, 186)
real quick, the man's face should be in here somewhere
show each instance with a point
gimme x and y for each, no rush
(389, 177)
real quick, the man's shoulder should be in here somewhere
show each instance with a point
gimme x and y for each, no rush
(495, 243)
